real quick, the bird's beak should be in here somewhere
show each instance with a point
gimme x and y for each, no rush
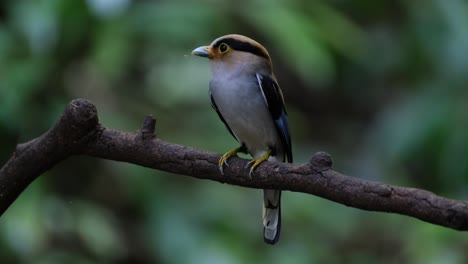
(203, 51)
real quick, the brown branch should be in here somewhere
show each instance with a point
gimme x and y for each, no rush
(78, 132)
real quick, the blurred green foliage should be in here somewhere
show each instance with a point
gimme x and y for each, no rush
(380, 85)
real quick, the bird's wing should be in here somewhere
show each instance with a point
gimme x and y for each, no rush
(213, 104)
(274, 99)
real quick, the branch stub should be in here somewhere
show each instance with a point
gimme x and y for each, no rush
(321, 160)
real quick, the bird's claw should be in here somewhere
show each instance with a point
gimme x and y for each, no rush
(256, 162)
(222, 162)
(224, 158)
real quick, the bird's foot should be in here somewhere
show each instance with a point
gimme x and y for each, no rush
(224, 158)
(256, 162)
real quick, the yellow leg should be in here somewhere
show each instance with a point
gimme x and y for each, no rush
(224, 158)
(256, 162)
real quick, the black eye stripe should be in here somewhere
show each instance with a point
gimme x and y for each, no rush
(242, 46)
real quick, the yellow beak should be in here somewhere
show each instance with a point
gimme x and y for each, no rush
(203, 51)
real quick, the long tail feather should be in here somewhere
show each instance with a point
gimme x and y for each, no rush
(271, 216)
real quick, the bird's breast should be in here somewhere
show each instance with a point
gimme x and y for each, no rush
(240, 102)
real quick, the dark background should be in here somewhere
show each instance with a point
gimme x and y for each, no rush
(380, 85)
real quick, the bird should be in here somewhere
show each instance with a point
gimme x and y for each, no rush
(247, 98)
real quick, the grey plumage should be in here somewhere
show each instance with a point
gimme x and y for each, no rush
(247, 98)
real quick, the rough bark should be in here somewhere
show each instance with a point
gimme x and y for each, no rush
(78, 132)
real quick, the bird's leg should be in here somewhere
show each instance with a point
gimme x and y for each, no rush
(256, 162)
(224, 158)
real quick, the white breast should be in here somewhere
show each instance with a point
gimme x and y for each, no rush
(245, 111)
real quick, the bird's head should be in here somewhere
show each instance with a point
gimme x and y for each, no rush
(234, 49)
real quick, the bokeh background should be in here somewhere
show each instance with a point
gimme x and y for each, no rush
(380, 85)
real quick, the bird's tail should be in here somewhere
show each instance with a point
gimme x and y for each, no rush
(271, 216)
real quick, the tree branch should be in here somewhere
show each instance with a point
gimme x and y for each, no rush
(78, 132)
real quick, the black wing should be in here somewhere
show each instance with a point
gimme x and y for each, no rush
(213, 104)
(275, 102)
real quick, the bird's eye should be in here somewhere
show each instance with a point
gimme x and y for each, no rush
(223, 47)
